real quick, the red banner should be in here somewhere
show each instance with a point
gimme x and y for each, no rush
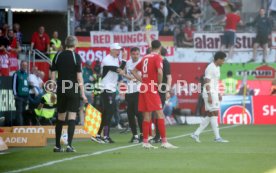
(264, 109)
(98, 53)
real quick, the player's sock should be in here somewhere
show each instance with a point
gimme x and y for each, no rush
(214, 124)
(58, 132)
(150, 127)
(146, 125)
(202, 125)
(162, 129)
(157, 132)
(70, 131)
(100, 129)
(106, 131)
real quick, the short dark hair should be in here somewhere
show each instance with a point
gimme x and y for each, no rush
(155, 44)
(219, 55)
(134, 49)
(163, 51)
(229, 73)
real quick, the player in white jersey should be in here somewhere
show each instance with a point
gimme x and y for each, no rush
(211, 97)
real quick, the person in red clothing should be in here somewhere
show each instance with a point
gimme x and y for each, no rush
(188, 31)
(229, 37)
(4, 59)
(13, 49)
(41, 41)
(149, 100)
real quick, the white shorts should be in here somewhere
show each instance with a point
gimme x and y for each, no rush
(215, 103)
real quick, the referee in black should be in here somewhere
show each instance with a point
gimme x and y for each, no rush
(165, 90)
(70, 90)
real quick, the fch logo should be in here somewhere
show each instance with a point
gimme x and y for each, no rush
(236, 115)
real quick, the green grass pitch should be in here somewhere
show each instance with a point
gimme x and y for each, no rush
(252, 149)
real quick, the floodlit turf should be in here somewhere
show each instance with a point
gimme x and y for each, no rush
(251, 149)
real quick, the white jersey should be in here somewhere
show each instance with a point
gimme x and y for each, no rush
(110, 78)
(132, 87)
(212, 73)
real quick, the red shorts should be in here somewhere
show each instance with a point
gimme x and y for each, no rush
(149, 102)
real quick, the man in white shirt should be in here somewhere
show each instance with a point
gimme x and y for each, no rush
(132, 95)
(110, 73)
(34, 81)
(122, 27)
(211, 97)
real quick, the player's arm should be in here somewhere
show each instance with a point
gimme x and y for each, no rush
(134, 72)
(80, 82)
(169, 82)
(207, 84)
(160, 75)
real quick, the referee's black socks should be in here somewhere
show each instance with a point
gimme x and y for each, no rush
(58, 132)
(71, 130)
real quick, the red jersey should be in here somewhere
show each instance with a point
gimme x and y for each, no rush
(40, 42)
(232, 21)
(149, 68)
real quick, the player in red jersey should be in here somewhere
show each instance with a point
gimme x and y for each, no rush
(149, 100)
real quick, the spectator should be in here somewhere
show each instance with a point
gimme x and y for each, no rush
(188, 34)
(18, 33)
(55, 45)
(5, 29)
(189, 3)
(104, 15)
(80, 32)
(160, 14)
(228, 40)
(4, 59)
(21, 91)
(35, 83)
(264, 28)
(162, 8)
(122, 27)
(40, 41)
(170, 104)
(178, 37)
(176, 5)
(166, 31)
(88, 22)
(41, 76)
(230, 84)
(194, 14)
(13, 50)
(4, 42)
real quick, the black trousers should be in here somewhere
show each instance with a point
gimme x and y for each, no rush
(132, 112)
(163, 100)
(20, 105)
(108, 110)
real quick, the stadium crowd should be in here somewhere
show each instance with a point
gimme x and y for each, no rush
(173, 18)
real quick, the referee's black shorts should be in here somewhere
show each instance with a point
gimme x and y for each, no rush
(67, 103)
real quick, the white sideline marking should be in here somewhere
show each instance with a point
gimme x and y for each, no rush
(98, 153)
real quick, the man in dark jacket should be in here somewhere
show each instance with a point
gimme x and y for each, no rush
(264, 27)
